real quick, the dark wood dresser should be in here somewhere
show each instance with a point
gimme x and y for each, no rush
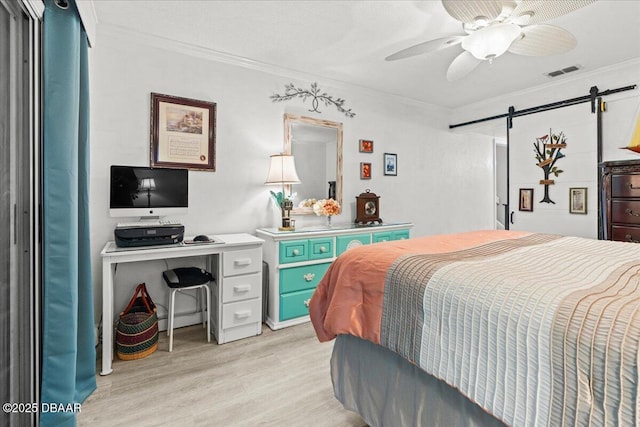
(621, 200)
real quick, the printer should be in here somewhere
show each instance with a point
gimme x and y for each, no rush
(148, 235)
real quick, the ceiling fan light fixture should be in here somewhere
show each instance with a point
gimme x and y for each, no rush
(491, 42)
(481, 21)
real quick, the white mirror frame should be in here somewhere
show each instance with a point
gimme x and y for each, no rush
(289, 119)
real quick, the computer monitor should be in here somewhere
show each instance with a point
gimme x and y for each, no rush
(137, 191)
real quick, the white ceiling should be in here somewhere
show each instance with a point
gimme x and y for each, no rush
(347, 41)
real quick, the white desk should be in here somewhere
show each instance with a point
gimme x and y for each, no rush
(236, 310)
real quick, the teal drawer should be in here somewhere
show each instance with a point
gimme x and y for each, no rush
(295, 304)
(347, 242)
(382, 237)
(294, 251)
(302, 277)
(400, 235)
(320, 248)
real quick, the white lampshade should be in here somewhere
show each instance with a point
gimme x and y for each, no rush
(492, 41)
(282, 170)
(148, 184)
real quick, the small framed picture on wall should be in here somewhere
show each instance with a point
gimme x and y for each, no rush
(526, 200)
(390, 164)
(365, 170)
(366, 146)
(578, 200)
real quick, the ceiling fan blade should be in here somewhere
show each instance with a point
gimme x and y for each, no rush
(426, 47)
(462, 65)
(508, 6)
(468, 10)
(543, 39)
(529, 12)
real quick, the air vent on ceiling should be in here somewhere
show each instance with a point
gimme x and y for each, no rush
(563, 71)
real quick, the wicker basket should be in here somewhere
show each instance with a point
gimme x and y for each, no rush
(137, 330)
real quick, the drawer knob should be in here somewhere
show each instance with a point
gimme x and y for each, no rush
(309, 277)
(306, 302)
(242, 261)
(631, 187)
(242, 314)
(323, 249)
(630, 239)
(296, 252)
(630, 212)
(241, 288)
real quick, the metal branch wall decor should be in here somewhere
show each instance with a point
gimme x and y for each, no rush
(290, 92)
(548, 150)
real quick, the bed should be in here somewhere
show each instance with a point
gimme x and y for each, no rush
(485, 328)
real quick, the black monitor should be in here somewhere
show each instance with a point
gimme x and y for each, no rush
(137, 191)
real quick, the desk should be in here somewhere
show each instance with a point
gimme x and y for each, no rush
(236, 293)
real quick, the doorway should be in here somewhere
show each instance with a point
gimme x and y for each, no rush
(500, 167)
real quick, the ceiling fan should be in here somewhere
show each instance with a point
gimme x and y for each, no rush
(493, 27)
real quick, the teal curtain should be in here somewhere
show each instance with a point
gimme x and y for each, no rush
(68, 343)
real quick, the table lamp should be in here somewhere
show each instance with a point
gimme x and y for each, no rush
(148, 184)
(283, 171)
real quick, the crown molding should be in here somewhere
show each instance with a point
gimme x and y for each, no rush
(127, 35)
(507, 99)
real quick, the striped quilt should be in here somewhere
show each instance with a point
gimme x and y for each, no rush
(539, 330)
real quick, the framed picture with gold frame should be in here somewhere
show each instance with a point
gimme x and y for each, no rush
(183, 133)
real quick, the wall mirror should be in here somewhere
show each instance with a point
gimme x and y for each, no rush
(316, 146)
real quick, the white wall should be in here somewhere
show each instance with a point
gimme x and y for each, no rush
(622, 107)
(617, 126)
(444, 182)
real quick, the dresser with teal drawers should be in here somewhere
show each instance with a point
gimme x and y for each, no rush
(298, 260)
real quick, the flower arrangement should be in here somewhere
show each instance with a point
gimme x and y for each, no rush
(326, 207)
(307, 203)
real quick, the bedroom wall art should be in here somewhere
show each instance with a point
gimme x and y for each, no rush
(390, 164)
(365, 146)
(548, 152)
(365, 170)
(578, 200)
(526, 200)
(183, 133)
(290, 92)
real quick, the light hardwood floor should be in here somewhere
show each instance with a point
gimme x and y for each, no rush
(279, 378)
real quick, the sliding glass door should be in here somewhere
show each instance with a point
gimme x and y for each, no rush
(19, 195)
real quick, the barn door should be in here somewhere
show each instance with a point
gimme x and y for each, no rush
(553, 172)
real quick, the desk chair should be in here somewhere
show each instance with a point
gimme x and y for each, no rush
(184, 279)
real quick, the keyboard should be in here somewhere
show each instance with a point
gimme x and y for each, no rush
(157, 223)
